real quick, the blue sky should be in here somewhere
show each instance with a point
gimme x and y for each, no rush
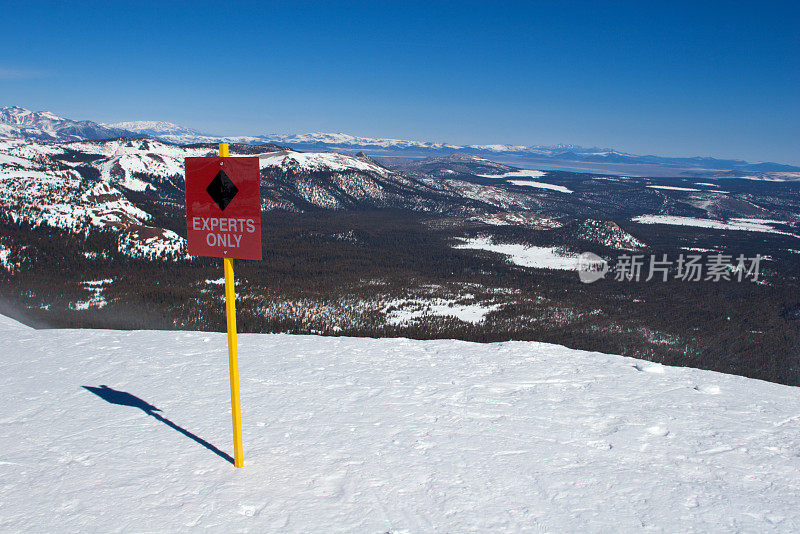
(666, 78)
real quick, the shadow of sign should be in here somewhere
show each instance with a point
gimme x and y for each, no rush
(123, 398)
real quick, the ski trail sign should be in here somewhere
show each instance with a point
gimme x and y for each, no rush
(223, 220)
(223, 207)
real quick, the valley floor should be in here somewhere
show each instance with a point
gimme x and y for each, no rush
(377, 435)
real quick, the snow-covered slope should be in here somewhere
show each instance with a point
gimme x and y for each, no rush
(288, 160)
(389, 435)
(20, 123)
(346, 140)
(141, 164)
(299, 180)
(167, 131)
(39, 186)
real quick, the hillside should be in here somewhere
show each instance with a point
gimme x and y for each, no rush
(22, 124)
(391, 435)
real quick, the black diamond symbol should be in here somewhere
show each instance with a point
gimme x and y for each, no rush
(222, 190)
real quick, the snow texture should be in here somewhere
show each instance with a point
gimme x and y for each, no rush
(36, 192)
(319, 161)
(525, 256)
(748, 225)
(610, 234)
(672, 188)
(409, 311)
(5, 253)
(95, 291)
(519, 218)
(522, 173)
(383, 435)
(541, 185)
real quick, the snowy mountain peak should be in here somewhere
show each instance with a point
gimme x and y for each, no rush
(154, 128)
(50, 115)
(322, 161)
(15, 115)
(21, 123)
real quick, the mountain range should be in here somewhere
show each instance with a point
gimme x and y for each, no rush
(20, 123)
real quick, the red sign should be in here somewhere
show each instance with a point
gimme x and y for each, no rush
(223, 207)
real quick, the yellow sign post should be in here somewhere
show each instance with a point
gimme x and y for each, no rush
(223, 220)
(233, 351)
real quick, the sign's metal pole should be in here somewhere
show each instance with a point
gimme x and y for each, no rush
(233, 351)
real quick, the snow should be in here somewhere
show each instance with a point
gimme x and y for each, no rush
(499, 148)
(5, 252)
(748, 225)
(141, 147)
(495, 196)
(773, 177)
(610, 235)
(528, 219)
(150, 127)
(319, 161)
(342, 139)
(54, 198)
(96, 298)
(383, 435)
(7, 159)
(541, 185)
(672, 188)
(97, 283)
(527, 173)
(758, 221)
(409, 311)
(521, 173)
(21, 123)
(28, 150)
(525, 256)
(36, 193)
(152, 243)
(126, 157)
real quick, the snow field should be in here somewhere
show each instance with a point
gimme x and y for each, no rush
(523, 255)
(748, 225)
(409, 311)
(319, 161)
(522, 173)
(377, 435)
(541, 185)
(672, 188)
